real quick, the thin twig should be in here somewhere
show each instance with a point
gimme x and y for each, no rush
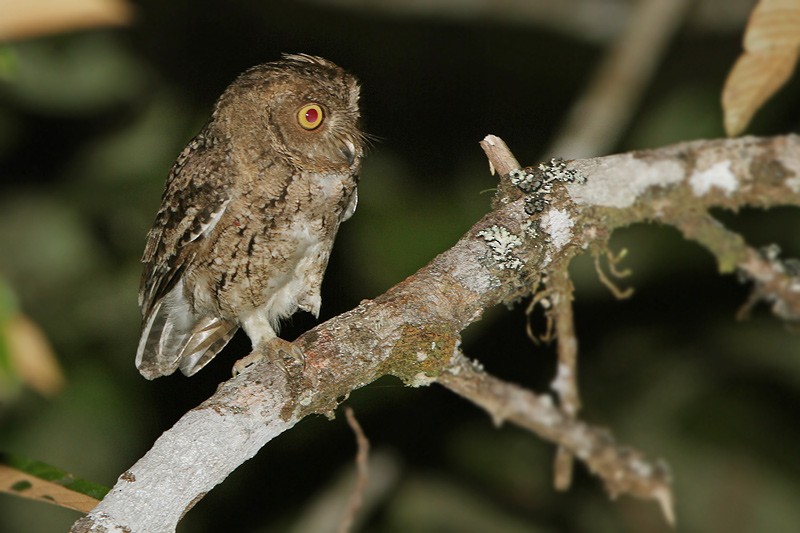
(618, 293)
(565, 382)
(542, 299)
(613, 260)
(622, 470)
(501, 160)
(362, 469)
(773, 282)
(599, 117)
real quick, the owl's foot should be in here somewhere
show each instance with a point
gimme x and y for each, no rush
(276, 350)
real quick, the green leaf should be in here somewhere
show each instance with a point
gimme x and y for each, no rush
(37, 480)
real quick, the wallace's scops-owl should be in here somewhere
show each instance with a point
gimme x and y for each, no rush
(250, 212)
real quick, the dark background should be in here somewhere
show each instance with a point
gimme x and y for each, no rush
(90, 122)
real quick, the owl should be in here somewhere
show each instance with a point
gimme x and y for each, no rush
(250, 212)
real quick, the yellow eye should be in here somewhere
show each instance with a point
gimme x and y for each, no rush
(310, 116)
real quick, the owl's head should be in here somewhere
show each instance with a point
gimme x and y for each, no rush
(303, 108)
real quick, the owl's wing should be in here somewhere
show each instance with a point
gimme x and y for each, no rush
(194, 200)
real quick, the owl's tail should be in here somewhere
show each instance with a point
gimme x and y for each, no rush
(208, 338)
(174, 337)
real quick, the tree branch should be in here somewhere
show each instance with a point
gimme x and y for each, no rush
(599, 117)
(565, 383)
(413, 330)
(623, 470)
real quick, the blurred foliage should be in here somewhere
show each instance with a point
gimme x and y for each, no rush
(52, 484)
(8, 378)
(90, 123)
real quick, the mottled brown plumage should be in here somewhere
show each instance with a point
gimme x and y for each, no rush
(250, 212)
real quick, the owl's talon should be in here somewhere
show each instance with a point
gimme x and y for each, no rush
(244, 364)
(297, 354)
(276, 351)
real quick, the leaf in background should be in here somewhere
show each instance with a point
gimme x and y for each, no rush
(43, 482)
(25, 353)
(771, 44)
(36, 17)
(31, 356)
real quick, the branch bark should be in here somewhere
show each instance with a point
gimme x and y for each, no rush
(413, 330)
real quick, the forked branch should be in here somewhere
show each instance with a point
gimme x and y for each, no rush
(542, 218)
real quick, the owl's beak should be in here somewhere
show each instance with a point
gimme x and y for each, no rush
(349, 151)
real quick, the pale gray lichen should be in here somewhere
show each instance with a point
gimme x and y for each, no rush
(537, 182)
(532, 229)
(535, 204)
(305, 399)
(472, 274)
(477, 366)
(502, 243)
(641, 467)
(619, 180)
(528, 180)
(421, 379)
(558, 225)
(718, 176)
(772, 254)
(563, 379)
(557, 170)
